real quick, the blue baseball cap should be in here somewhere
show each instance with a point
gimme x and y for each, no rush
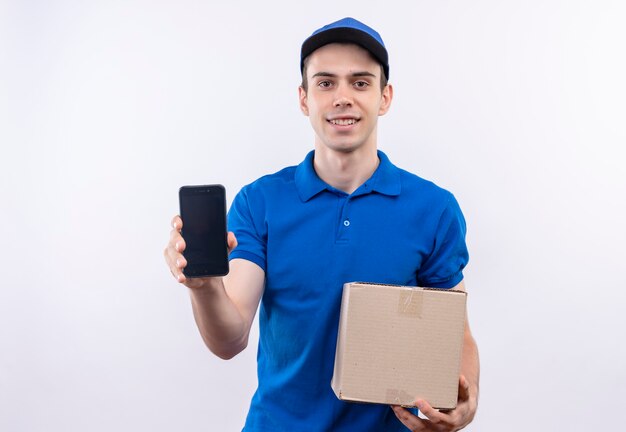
(351, 31)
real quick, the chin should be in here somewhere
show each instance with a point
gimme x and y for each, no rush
(343, 147)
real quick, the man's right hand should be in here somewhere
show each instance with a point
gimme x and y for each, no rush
(176, 261)
(224, 307)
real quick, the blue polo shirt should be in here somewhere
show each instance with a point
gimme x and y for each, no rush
(310, 239)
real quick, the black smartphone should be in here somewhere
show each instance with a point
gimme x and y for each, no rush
(203, 211)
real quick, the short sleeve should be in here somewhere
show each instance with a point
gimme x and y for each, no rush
(246, 220)
(444, 266)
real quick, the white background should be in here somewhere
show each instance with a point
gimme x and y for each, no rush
(107, 107)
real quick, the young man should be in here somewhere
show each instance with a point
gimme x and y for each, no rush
(344, 214)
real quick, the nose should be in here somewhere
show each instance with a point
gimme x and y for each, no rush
(343, 101)
(342, 97)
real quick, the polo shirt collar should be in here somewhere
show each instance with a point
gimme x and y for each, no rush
(385, 180)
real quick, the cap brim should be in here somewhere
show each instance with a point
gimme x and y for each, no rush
(346, 35)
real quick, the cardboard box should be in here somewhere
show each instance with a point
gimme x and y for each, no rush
(398, 343)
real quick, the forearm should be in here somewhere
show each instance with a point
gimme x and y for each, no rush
(221, 325)
(470, 363)
(223, 307)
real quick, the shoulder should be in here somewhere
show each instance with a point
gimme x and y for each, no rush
(423, 198)
(267, 190)
(271, 183)
(254, 200)
(425, 191)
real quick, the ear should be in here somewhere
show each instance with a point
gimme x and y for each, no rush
(304, 104)
(387, 96)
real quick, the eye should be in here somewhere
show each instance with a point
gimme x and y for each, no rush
(361, 84)
(324, 84)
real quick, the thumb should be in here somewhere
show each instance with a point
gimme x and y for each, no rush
(232, 241)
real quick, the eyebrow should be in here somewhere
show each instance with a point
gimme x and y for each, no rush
(355, 74)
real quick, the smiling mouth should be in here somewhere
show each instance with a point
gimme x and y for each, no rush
(343, 122)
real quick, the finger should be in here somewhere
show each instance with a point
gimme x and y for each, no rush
(407, 418)
(180, 277)
(433, 415)
(232, 241)
(173, 253)
(176, 262)
(464, 390)
(177, 242)
(177, 223)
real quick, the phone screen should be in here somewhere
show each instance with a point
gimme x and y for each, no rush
(203, 211)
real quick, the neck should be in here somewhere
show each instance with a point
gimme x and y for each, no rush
(345, 171)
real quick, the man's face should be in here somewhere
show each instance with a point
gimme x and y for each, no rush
(344, 98)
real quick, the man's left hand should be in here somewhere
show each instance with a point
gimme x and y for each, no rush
(441, 421)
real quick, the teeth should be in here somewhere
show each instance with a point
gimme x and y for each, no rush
(343, 122)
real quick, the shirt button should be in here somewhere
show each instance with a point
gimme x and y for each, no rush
(346, 223)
